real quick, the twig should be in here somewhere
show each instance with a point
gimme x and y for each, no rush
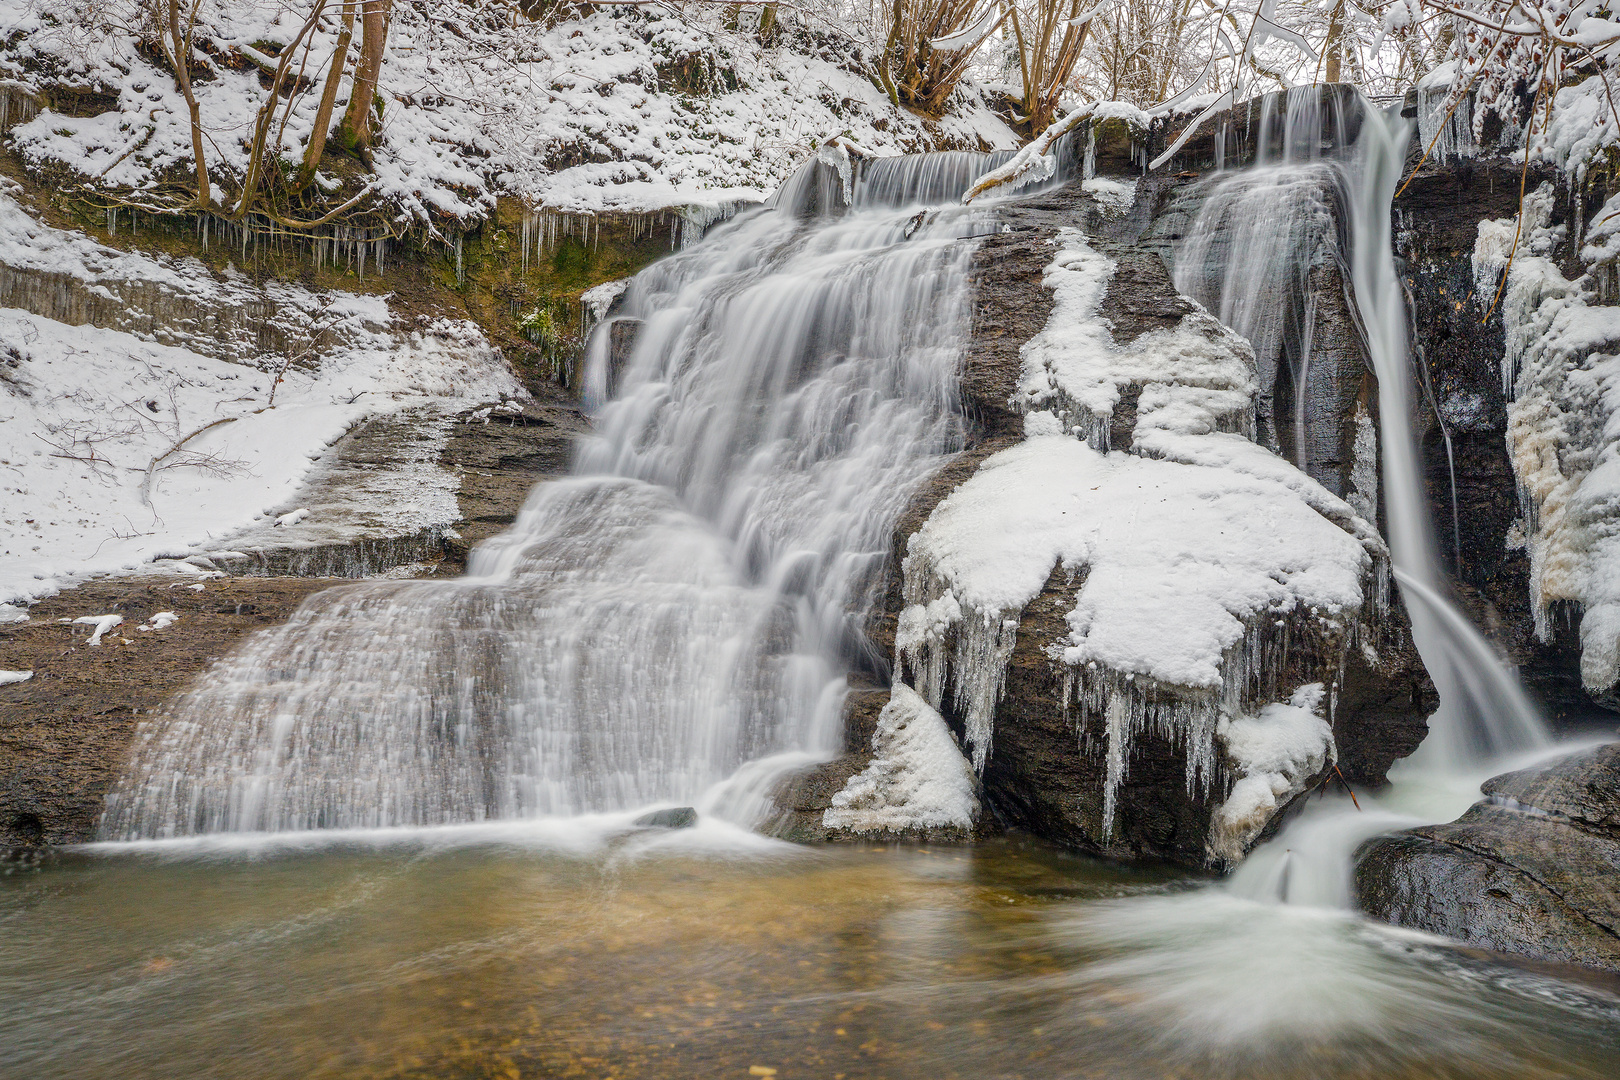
(151, 468)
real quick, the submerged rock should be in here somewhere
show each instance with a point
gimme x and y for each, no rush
(1532, 869)
(674, 817)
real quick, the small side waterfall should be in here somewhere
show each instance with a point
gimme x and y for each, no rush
(687, 604)
(1249, 257)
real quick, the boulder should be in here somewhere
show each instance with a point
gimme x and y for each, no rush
(674, 817)
(1534, 868)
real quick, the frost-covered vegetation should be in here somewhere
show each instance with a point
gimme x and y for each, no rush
(575, 109)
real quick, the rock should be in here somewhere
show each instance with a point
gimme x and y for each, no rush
(1047, 772)
(1462, 350)
(1533, 869)
(675, 817)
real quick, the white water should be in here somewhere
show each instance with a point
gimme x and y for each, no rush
(672, 624)
(1248, 257)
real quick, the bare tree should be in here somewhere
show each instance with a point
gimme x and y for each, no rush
(360, 117)
(175, 27)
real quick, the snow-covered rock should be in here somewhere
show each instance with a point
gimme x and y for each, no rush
(918, 779)
(1187, 585)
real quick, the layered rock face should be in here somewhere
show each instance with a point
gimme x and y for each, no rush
(1149, 632)
(1532, 869)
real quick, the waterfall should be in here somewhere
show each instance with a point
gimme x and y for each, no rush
(1249, 256)
(681, 609)
(1484, 712)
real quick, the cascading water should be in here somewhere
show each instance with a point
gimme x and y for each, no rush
(1248, 257)
(685, 605)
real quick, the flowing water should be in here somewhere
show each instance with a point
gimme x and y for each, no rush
(591, 949)
(1249, 257)
(674, 624)
(686, 605)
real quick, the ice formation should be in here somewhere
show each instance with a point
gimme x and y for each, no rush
(1561, 374)
(1274, 755)
(1197, 560)
(918, 778)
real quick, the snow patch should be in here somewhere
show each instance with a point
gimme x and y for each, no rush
(1274, 756)
(8, 677)
(159, 621)
(102, 624)
(918, 778)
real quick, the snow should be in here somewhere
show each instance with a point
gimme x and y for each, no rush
(616, 109)
(8, 677)
(918, 778)
(10, 613)
(90, 477)
(102, 623)
(1274, 755)
(292, 517)
(1116, 196)
(160, 621)
(1182, 555)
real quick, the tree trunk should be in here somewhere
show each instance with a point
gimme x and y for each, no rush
(177, 47)
(323, 114)
(359, 120)
(1333, 48)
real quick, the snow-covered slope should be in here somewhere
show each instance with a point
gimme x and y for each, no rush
(622, 108)
(115, 449)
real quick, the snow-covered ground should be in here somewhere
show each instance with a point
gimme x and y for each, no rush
(622, 108)
(115, 450)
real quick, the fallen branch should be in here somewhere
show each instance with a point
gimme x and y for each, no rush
(151, 468)
(1029, 158)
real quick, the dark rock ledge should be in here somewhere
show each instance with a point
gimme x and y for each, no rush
(1532, 869)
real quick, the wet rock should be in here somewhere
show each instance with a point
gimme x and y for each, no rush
(1534, 869)
(674, 817)
(498, 458)
(65, 733)
(1473, 495)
